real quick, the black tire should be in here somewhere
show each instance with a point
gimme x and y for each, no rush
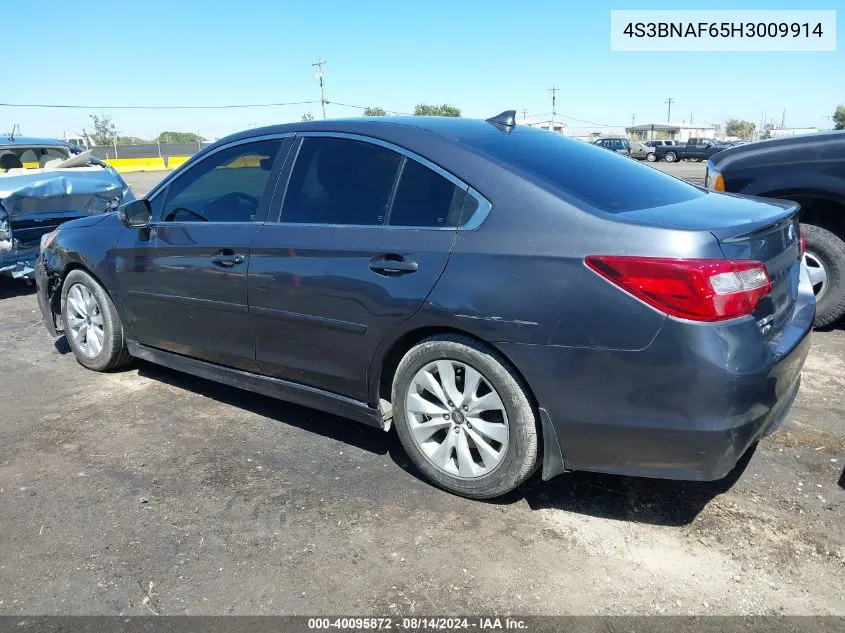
(829, 249)
(113, 353)
(670, 157)
(521, 456)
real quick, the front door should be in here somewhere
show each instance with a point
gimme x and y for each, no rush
(185, 289)
(363, 236)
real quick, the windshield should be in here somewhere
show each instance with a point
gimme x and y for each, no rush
(604, 180)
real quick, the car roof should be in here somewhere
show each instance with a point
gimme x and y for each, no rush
(452, 128)
(21, 141)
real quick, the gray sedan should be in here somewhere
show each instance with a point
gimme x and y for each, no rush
(510, 300)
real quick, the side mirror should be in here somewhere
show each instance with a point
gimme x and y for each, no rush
(135, 214)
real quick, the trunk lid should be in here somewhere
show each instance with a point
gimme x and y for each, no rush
(746, 228)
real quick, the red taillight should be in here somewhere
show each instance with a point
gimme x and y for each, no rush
(802, 241)
(695, 289)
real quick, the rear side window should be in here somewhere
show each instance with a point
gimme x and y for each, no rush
(340, 181)
(601, 179)
(425, 198)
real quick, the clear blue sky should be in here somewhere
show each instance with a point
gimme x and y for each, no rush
(483, 56)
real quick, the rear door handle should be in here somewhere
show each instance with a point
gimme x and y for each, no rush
(392, 264)
(227, 259)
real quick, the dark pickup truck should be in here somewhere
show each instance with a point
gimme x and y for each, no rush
(695, 149)
(809, 170)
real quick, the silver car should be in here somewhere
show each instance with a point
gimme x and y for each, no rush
(43, 183)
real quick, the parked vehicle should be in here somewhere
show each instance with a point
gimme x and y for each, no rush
(650, 156)
(809, 170)
(44, 182)
(390, 271)
(640, 150)
(618, 145)
(695, 149)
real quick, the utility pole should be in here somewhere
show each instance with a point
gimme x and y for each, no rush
(524, 113)
(690, 117)
(669, 113)
(633, 118)
(318, 73)
(783, 119)
(554, 90)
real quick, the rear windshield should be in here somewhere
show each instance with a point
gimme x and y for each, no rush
(600, 178)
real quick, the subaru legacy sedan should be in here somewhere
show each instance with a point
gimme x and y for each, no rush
(509, 299)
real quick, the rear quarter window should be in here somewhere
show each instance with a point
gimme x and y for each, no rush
(603, 180)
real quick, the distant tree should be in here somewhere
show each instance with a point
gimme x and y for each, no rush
(375, 111)
(104, 131)
(436, 110)
(742, 129)
(307, 117)
(179, 137)
(839, 118)
(130, 140)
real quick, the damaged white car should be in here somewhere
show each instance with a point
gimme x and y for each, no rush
(43, 183)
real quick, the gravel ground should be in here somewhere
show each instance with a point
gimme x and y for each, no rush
(150, 491)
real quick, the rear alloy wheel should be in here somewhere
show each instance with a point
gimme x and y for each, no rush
(651, 157)
(670, 157)
(464, 418)
(92, 326)
(824, 258)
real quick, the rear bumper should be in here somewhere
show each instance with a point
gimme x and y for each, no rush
(686, 407)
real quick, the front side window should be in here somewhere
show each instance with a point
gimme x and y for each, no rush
(340, 181)
(225, 187)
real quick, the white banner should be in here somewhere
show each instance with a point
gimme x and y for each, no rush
(716, 30)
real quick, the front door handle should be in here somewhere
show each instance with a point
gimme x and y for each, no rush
(392, 264)
(227, 258)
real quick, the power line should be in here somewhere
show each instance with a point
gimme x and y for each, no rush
(154, 107)
(358, 107)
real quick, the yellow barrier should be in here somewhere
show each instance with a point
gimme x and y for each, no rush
(174, 162)
(31, 165)
(137, 164)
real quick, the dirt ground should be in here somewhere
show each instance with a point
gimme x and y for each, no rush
(150, 491)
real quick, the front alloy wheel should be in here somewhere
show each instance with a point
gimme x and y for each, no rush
(85, 321)
(91, 323)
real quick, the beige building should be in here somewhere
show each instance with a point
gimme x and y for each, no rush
(681, 132)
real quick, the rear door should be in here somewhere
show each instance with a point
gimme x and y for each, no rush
(364, 233)
(184, 281)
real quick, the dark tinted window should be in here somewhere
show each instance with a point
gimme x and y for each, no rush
(425, 198)
(340, 181)
(225, 187)
(602, 179)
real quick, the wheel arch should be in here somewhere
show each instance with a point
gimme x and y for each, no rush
(386, 362)
(819, 207)
(69, 267)
(384, 368)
